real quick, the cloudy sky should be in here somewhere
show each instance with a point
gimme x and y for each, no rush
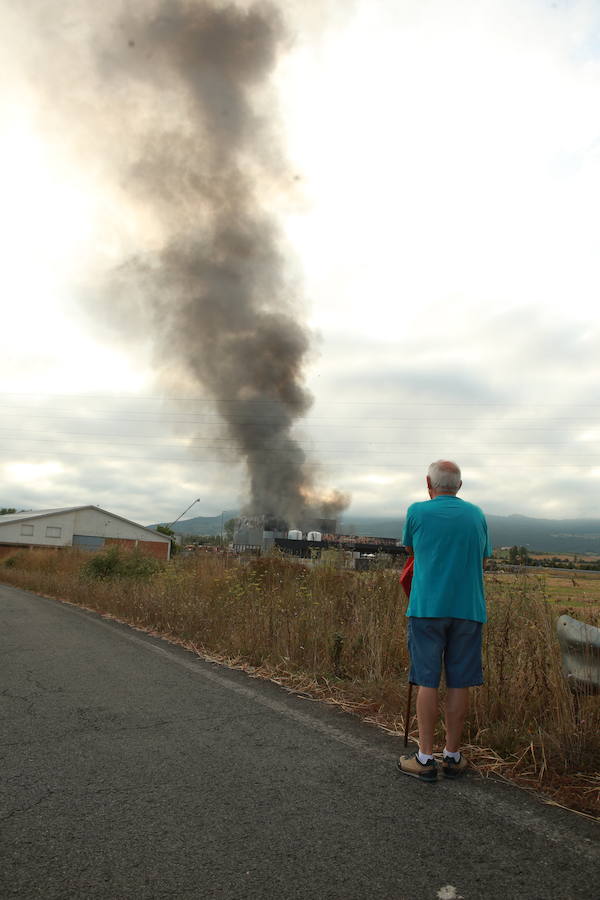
(442, 233)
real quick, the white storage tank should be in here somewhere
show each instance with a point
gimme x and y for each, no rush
(314, 536)
(294, 535)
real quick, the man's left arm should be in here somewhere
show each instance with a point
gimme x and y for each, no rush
(488, 550)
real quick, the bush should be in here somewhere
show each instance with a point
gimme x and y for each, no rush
(116, 564)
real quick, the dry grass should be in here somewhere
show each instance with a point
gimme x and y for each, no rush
(569, 588)
(340, 636)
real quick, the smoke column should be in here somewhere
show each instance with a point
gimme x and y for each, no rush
(217, 291)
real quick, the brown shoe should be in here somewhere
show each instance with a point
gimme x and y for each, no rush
(452, 769)
(411, 765)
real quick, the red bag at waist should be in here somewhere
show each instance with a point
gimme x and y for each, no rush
(406, 575)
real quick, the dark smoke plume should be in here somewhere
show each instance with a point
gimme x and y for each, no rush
(206, 168)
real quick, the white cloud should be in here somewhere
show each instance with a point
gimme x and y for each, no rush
(446, 226)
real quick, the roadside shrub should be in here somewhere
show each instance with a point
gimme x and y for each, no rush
(116, 564)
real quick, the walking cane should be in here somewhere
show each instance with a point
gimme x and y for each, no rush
(407, 719)
(406, 581)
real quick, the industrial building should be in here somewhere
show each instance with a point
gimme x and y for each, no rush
(260, 534)
(85, 527)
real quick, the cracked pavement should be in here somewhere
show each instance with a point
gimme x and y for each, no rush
(133, 769)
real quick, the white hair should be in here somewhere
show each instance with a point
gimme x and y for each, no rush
(444, 476)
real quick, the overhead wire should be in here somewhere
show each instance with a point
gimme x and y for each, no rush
(400, 403)
(397, 463)
(528, 433)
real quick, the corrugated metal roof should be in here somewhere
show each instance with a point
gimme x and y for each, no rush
(38, 513)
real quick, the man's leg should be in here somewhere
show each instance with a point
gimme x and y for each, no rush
(426, 641)
(463, 670)
(457, 705)
(427, 715)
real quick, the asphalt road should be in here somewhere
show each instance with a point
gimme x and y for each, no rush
(130, 768)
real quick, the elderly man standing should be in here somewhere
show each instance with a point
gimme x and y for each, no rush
(446, 611)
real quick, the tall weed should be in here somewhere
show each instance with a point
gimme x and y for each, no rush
(342, 635)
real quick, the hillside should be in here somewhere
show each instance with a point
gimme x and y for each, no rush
(206, 525)
(552, 535)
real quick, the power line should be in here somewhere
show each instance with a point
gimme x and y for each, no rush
(353, 448)
(327, 420)
(317, 401)
(396, 464)
(103, 437)
(143, 415)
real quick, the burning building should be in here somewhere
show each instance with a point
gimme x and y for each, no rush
(260, 534)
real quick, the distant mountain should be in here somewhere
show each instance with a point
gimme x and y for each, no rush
(374, 526)
(551, 535)
(205, 525)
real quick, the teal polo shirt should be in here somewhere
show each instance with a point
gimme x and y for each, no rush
(450, 540)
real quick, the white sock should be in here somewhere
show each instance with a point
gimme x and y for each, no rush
(423, 757)
(454, 756)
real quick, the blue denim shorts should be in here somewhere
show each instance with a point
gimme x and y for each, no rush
(455, 642)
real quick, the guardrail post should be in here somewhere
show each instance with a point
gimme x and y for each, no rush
(580, 647)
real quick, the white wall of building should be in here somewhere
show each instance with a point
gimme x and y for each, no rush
(57, 529)
(49, 531)
(97, 523)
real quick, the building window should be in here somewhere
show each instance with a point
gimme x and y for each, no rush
(53, 531)
(27, 529)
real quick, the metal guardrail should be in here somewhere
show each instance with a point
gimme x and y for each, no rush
(580, 647)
